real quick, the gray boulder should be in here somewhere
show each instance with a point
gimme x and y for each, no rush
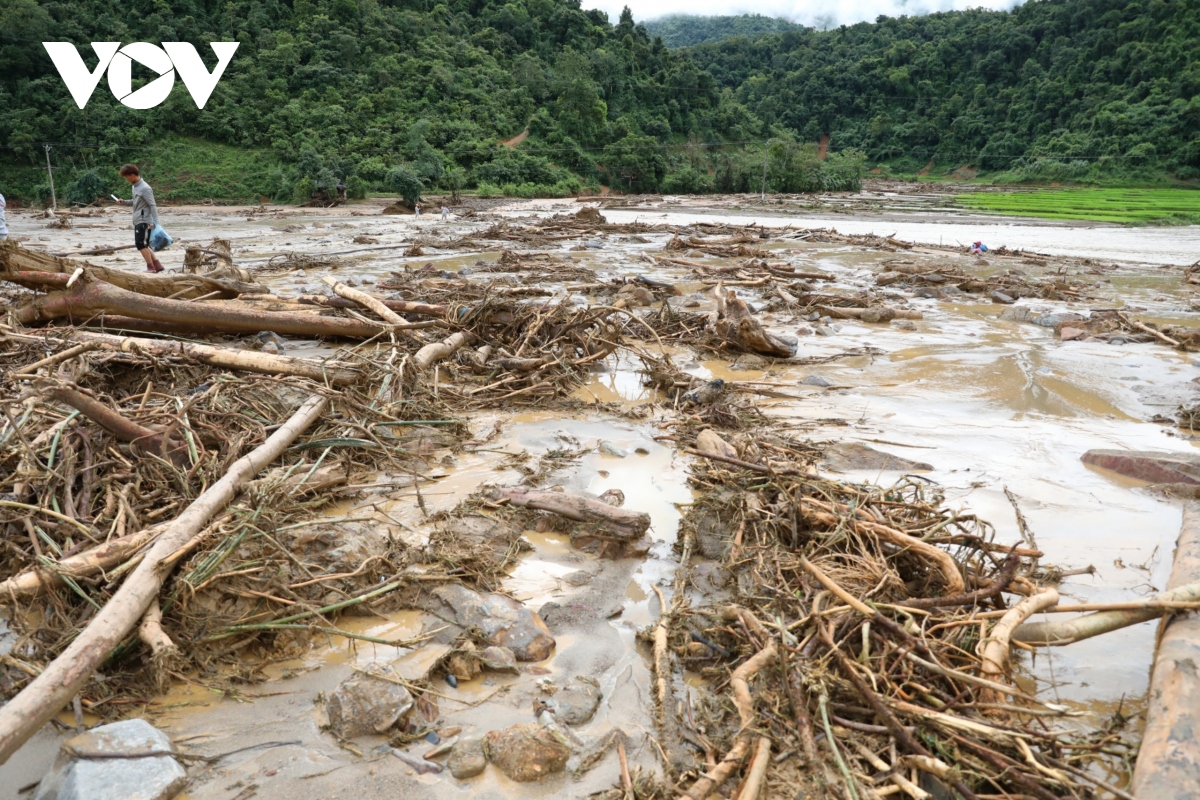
(501, 620)
(366, 704)
(127, 760)
(467, 759)
(576, 703)
(499, 659)
(846, 456)
(527, 752)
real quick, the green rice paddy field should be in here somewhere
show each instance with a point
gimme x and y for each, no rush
(1136, 206)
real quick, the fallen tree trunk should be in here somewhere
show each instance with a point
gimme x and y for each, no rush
(625, 523)
(247, 360)
(735, 325)
(365, 300)
(154, 442)
(880, 314)
(66, 675)
(399, 306)
(1075, 630)
(90, 297)
(80, 565)
(404, 307)
(36, 270)
(430, 353)
(1168, 762)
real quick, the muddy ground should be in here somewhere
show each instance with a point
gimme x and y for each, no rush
(990, 404)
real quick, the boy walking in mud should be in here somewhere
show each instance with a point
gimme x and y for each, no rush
(145, 215)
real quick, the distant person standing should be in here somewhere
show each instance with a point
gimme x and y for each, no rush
(445, 213)
(145, 215)
(3, 224)
(416, 209)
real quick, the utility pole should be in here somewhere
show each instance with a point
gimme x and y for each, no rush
(766, 154)
(50, 171)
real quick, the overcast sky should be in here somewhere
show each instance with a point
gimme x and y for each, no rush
(822, 13)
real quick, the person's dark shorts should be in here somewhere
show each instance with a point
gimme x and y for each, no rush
(141, 235)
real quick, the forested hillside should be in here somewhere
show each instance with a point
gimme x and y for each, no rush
(410, 96)
(392, 95)
(683, 30)
(1055, 89)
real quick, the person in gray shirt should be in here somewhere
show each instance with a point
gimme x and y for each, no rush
(145, 215)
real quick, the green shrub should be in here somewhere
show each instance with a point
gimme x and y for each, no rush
(403, 182)
(85, 189)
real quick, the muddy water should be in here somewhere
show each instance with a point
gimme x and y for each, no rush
(990, 404)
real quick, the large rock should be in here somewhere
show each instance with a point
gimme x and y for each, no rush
(576, 703)
(501, 620)
(499, 659)
(1152, 466)
(128, 760)
(467, 759)
(527, 752)
(846, 456)
(366, 704)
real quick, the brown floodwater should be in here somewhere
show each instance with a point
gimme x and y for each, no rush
(991, 404)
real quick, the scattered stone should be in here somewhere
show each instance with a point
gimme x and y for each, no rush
(1017, 314)
(1000, 297)
(417, 665)
(708, 393)
(804, 330)
(1069, 334)
(709, 442)
(577, 702)
(271, 348)
(1054, 320)
(501, 620)
(366, 704)
(526, 752)
(111, 763)
(749, 363)
(467, 759)
(580, 577)
(846, 456)
(904, 324)
(612, 449)
(878, 315)
(1153, 466)
(499, 659)
(815, 380)
(824, 330)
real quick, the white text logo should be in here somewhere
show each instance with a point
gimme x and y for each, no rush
(172, 57)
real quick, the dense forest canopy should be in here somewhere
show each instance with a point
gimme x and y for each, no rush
(683, 30)
(1054, 88)
(413, 95)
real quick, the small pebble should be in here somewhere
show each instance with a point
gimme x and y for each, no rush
(452, 680)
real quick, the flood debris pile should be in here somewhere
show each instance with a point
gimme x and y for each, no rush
(108, 449)
(169, 514)
(947, 280)
(847, 648)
